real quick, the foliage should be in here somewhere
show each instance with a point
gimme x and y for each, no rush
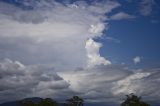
(133, 100)
(75, 101)
(27, 103)
(47, 102)
(43, 102)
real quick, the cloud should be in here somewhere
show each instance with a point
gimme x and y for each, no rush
(19, 81)
(111, 83)
(93, 55)
(23, 81)
(100, 80)
(136, 60)
(125, 86)
(154, 21)
(121, 16)
(108, 83)
(141, 83)
(46, 38)
(51, 32)
(111, 39)
(146, 7)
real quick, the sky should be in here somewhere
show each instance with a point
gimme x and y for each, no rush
(100, 50)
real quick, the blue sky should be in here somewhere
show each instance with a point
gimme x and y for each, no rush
(138, 37)
(100, 50)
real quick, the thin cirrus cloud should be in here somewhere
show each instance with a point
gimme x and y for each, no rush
(111, 39)
(121, 16)
(146, 7)
(51, 52)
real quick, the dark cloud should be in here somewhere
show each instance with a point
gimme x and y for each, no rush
(97, 84)
(19, 81)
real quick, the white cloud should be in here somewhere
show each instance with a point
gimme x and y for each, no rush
(121, 16)
(93, 54)
(97, 29)
(125, 85)
(143, 83)
(111, 39)
(137, 60)
(51, 33)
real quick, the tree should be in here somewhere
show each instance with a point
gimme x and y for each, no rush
(27, 103)
(133, 100)
(75, 101)
(47, 102)
(43, 102)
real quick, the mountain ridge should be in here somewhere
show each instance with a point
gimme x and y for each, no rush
(17, 102)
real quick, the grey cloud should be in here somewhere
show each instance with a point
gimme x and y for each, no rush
(23, 16)
(96, 82)
(111, 83)
(9, 69)
(24, 81)
(107, 83)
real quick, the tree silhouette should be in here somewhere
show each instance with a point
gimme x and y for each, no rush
(75, 101)
(43, 102)
(47, 102)
(27, 103)
(133, 100)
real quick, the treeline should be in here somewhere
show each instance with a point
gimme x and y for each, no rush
(74, 101)
(131, 100)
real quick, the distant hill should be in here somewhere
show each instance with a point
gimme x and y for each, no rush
(17, 103)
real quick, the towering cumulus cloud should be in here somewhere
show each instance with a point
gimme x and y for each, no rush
(94, 57)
